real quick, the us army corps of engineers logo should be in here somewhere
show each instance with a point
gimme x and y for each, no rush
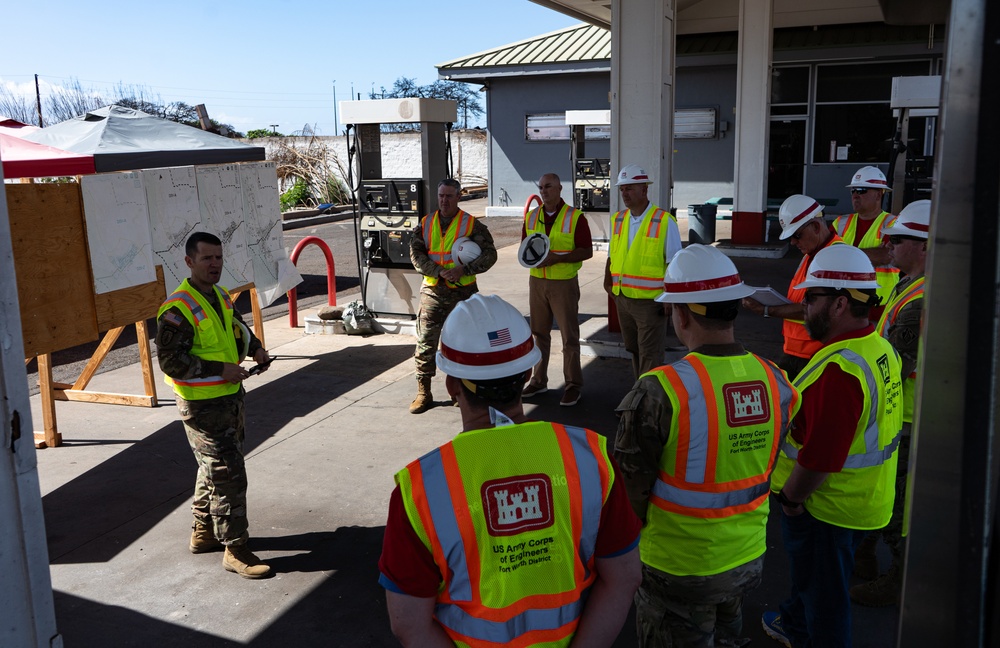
(517, 504)
(746, 403)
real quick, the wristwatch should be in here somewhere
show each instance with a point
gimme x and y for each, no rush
(784, 501)
(765, 312)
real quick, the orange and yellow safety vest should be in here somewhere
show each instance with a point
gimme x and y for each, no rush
(562, 239)
(637, 270)
(439, 243)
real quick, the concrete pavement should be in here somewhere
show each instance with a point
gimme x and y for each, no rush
(327, 427)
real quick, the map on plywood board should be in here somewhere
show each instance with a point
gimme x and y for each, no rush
(221, 206)
(118, 232)
(172, 197)
(274, 274)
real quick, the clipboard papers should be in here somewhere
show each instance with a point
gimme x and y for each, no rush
(768, 296)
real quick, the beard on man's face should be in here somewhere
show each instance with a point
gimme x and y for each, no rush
(818, 323)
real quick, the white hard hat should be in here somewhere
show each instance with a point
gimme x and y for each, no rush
(534, 248)
(484, 338)
(796, 211)
(465, 251)
(914, 220)
(840, 266)
(633, 174)
(701, 274)
(242, 334)
(869, 177)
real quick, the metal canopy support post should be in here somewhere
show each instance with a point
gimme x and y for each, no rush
(950, 587)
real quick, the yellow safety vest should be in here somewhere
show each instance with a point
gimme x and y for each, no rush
(860, 496)
(847, 228)
(708, 507)
(562, 239)
(510, 516)
(439, 244)
(213, 340)
(637, 271)
(913, 291)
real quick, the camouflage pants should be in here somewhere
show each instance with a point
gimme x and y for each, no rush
(436, 302)
(694, 611)
(215, 431)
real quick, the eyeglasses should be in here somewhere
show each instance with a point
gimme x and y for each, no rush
(813, 296)
(859, 191)
(799, 234)
(896, 239)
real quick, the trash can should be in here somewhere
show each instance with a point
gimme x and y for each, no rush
(701, 223)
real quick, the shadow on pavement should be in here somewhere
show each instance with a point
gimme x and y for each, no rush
(120, 492)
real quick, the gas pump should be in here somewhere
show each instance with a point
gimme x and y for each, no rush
(388, 209)
(914, 101)
(591, 175)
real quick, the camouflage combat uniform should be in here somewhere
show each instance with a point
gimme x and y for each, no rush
(904, 336)
(436, 302)
(214, 429)
(672, 610)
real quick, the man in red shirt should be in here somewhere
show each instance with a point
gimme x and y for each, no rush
(836, 470)
(515, 531)
(553, 288)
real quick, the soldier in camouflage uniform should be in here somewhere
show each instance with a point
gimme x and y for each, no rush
(199, 340)
(446, 282)
(900, 324)
(695, 444)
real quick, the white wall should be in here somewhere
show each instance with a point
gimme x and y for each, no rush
(401, 154)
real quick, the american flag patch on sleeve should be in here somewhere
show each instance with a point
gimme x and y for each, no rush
(171, 317)
(498, 338)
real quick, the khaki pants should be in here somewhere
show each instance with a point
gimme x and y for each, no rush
(644, 331)
(558, 298)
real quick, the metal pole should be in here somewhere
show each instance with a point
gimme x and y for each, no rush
(336, 125)
(38, 100)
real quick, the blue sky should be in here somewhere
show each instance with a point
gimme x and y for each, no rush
(255, 63)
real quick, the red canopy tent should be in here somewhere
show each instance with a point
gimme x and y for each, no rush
(24, 159)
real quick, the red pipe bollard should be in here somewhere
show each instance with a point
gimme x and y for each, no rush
(527, 205)
(331, 278)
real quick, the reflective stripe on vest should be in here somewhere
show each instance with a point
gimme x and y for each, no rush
(438, 492)
(562, 239)
(872, 455)
(439, 243)
(637, 270)
(912, 292)
(200, 314)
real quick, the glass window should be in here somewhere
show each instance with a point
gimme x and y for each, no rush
(856, 133)
(865, 82)
(790, 85)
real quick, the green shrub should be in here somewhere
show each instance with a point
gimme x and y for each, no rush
(298, 196)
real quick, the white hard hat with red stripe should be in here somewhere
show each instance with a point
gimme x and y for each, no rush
(484, 338)
(700, 274)
(840, 267)
(796, 211)
(633, 174)
(914, 220)
(465, 251)
(869, 177)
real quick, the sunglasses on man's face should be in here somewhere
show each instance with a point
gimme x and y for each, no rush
(896, 239)
(859, 191)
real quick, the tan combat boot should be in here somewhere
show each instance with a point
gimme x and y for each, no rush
(240, 560)
(203, 540)
(880, 592)
(424, 400)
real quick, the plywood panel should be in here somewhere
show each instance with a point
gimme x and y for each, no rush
(130, 305)
(54, 285)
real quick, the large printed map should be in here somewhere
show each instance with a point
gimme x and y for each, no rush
(141, 219)
(118, 232)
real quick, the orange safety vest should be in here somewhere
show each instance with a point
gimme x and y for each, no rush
(708, 507)
(637, 271)
(511, 516)
(562, 240)
(913, 291)
(439, 244)
(797, 340)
